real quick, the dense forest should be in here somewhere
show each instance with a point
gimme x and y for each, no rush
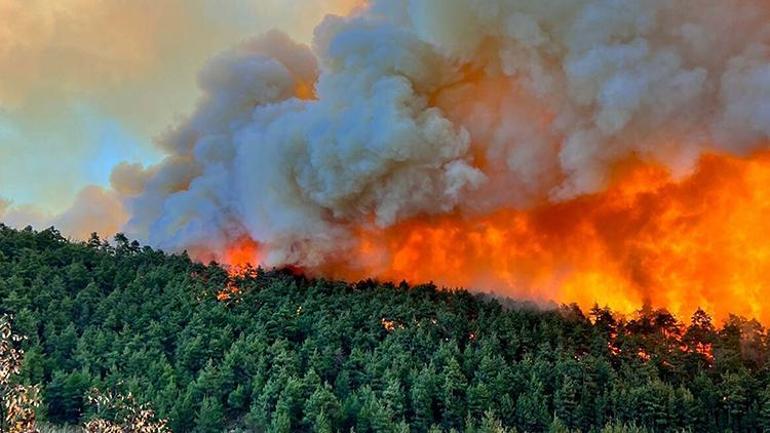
(272, 351)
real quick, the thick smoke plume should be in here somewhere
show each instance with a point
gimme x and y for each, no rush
(455, 112)
(435, 106)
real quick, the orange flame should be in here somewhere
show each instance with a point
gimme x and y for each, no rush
(706, 350)
(241, 253)
(643, 355)
(649, 239)
(238, 259)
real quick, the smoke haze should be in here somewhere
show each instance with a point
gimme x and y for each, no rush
(85, 84)
(431, 107)
(410, 122)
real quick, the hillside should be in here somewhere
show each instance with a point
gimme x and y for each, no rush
(273, 351)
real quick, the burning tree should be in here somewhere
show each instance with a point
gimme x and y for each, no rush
(17, 401)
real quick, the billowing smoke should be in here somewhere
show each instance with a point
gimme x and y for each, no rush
(612, 151)
(413, 108)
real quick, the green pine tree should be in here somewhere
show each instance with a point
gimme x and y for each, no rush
(210, 417)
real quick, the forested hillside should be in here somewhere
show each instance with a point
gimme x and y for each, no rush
(273, 351)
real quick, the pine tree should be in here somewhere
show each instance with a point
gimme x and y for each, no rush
(322, 401)
(281, 420)
(566, 402)
(393, 395)
(764, 411)
(453, 395)
(490, 424)
(478, 400)
(531, 409)
(238, 399)
(321, 423)
(557, 426)
(210, 417)
(183, 413)
(422, 400)
(403, 427)
(735, 399)
(373, 415)
(65, 396)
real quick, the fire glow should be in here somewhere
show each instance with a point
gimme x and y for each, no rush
(702, 241)
(555, 152)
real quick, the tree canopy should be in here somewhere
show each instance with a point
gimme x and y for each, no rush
(272, 351)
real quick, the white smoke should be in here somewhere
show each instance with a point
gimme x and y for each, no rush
(434, 106)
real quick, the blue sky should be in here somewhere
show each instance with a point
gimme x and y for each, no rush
(85, 84)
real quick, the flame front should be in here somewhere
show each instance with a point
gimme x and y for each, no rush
(702, 241)
(572, 152)
(241, 254)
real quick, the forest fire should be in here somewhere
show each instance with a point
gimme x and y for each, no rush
(701, 241)
(533, 154)
(238, 259)
(240, 254)
(649, 239)
(421, 215)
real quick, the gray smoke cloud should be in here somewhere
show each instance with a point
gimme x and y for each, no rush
(424, 107)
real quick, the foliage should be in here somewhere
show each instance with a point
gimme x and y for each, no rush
(117, 413)
(285, 353)
(17, 401)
